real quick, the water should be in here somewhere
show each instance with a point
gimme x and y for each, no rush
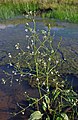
(12, 32)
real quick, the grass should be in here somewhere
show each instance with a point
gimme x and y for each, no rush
(62, 10)
(64, 13)
(10, 10)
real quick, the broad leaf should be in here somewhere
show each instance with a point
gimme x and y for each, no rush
(64, 116)
(44, 106)
(58, 118)
(47, 99)
(36, 116)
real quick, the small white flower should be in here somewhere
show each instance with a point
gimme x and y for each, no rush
(29, 104)
(68, 91)
(26, 16)
(32, 41)
(72, 100)
(47, 89)
(17, 47)
(49, 59)
(3, 81)
(33, 31)
(44, 64)
(11, 81)
(32, 44)
(21, 75)
(26, 30)
(43, 32)
(43, 83)
(27, 36)
(56, 72)
(13, 71)
(64, 82)
(39, 52)
(64, 58)
(10, 64)
(19, 53)
(58, 75)
(17, 43)
(52, 51)
(28, 47)
(32, 52)
(52, 73)
(57, 83)
(45, 37)
(27, 24)
(62, 85)
(17, 80)
(23, 113)
(74, 104)
(54, 80)
(37, 79)
(31, 12)
(9, 54)
(33, 20)
(25, 92)
(50, 41)
(39, 60)
(57, 61)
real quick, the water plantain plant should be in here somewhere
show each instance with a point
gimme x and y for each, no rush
(39, 65)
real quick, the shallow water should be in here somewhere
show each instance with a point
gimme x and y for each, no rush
(12, 32)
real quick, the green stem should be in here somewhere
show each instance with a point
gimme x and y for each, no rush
(23, 110)
(47, 79)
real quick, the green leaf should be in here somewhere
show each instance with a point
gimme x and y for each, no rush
(58, 118)
(44, 106)
(64, 116)
(36, 116)
(56, 94)
(47, 99)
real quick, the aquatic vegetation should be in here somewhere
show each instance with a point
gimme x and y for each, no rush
(39, 65)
